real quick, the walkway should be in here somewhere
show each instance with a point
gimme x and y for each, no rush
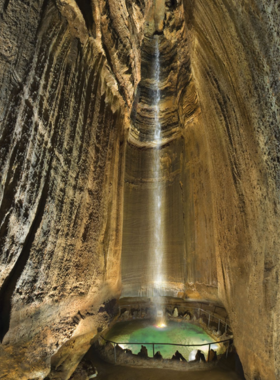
(111, 372)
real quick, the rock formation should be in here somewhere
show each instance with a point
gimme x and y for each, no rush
(234, 52)
(74, 108)
(68, 74)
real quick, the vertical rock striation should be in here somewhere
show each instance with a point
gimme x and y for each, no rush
(234, 50)
(76, 83)
(187, 246)
(68, 74)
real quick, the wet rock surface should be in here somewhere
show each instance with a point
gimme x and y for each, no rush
(189, 262)
(70, 110)
(67, 82)
(234, 55)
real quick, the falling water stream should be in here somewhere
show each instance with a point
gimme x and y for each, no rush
(158, 275)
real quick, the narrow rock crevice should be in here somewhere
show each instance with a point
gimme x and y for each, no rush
(87, 12)
(9, 285)
(5, 5)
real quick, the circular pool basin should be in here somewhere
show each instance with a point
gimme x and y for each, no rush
(141, 331)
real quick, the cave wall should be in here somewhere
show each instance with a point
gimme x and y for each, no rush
(67, 84)
(200, 256)
(139, 259)
(234, 50)
(229, 174)
(139, 230)
(187, 246)
(67, 87)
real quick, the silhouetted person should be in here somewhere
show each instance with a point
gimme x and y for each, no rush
(212, 356)
(158, 355)
(143, 352)
(178, 356)
(197, 356)
(202, 357)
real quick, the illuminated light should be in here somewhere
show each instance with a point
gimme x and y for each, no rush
(162, 331)
(214, 347)
(161, 325)
(192, 355)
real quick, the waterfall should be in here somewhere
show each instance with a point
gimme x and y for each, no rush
(158, 272)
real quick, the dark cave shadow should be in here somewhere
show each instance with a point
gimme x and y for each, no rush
(9, 285)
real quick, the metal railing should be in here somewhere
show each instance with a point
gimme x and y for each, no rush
(168, 344)
(199, 310)
(220, 320)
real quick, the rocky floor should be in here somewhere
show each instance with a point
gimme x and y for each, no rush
(111, 372)
(106, 371)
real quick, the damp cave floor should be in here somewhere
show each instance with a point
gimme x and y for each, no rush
(108, 371)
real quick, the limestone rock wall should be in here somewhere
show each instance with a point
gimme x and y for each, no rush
(68, 74)
(139, 231)
(234, 50)
(162, 28)
(200, 256)
(188, 248)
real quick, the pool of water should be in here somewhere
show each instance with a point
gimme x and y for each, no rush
(141, 331)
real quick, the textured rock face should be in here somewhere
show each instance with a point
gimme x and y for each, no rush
(234, 52)
(187, 248)
(139, 233)
(139, 258)
(67, 85)
(69, 75)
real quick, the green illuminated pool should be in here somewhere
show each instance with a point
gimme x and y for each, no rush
(139, 331)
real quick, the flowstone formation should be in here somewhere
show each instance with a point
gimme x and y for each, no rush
(74, 219)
